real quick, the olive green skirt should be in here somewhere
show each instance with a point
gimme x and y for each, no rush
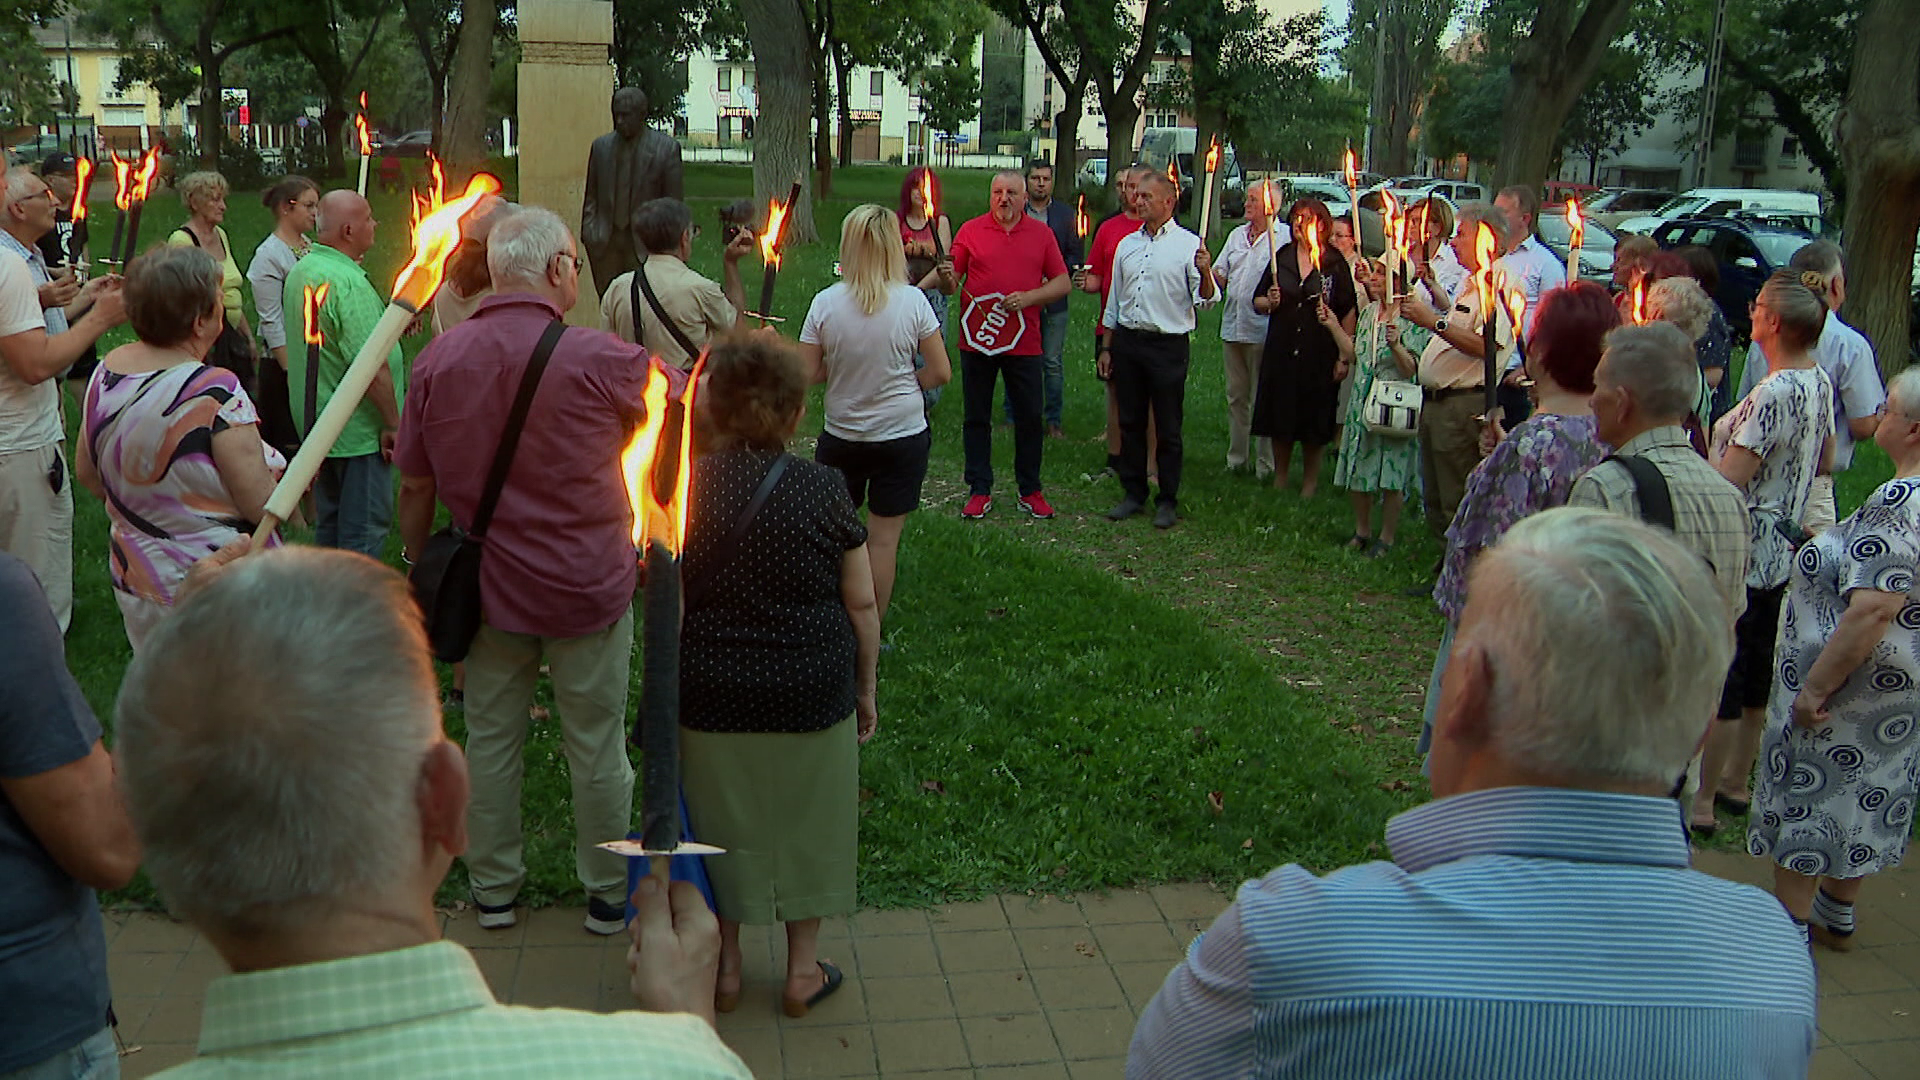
(787, 809)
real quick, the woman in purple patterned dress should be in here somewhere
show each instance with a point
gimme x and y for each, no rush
(169, 443)
(1533, 467)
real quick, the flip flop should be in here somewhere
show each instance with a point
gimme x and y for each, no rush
(796, 1008)
(1703, 831)
(1736, 807)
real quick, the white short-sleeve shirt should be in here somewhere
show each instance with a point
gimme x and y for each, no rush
(872, 394)
(29, 415)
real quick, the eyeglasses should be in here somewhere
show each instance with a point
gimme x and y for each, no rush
(578, 262)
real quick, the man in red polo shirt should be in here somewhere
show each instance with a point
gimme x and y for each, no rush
(1012, 268)
(1098, 279)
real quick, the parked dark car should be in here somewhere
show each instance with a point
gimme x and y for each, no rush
(1747, 252)
(412, 144)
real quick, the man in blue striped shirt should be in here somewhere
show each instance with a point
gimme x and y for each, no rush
(1539, 918)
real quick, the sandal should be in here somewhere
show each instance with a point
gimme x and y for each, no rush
(1380, 549)
(796, 1008)
(1736, 807)
(1356, 542)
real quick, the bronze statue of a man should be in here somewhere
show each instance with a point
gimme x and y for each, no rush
(626, 168)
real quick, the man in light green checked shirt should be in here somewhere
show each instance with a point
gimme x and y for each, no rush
(353, 495)
(301, 812)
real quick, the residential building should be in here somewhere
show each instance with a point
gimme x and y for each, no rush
(129, 119)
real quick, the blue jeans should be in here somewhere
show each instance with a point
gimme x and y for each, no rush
(1053, 378)
(936, 300)
(95, 1058)
(354, 500)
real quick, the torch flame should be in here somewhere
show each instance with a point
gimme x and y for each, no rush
(1081, 221)
(1266, 197)
(1576, 224)
(1213, 154)
(656, 519)
(1173, 174)
(360, 129)
(1353, 171)
(927, 206)
(142, 185)
(1313, 242)
(311, 298)
(82, 175)
(1484, 246)
(1517, 309)
(436, 232)
(1639, 310)
(122, 183)
(777, 224)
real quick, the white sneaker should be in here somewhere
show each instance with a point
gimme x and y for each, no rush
(495, 916)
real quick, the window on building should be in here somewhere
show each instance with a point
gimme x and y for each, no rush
(123, 115)
(1790, 148)
(726, 80)
(109, 76)
(877, 83)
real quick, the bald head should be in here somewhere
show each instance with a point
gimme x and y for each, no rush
(346, 222)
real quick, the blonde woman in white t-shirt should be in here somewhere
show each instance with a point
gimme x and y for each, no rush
(860, 338)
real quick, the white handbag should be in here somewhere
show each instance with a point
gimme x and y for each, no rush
(1392, 408)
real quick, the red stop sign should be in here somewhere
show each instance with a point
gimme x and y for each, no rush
(989, 329)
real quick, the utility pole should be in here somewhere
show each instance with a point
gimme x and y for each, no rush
(1710, 96)
(1377, 103)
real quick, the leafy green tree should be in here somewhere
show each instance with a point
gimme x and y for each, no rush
(1463, 108)
(1120, 49)
(652, 40)
(900, 36)
(1549, 68)
(1047, 24)
(27, 88)
(950, 94)
(1613, 110)
(1407, 58)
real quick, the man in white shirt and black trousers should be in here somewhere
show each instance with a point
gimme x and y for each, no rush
(1161, 274)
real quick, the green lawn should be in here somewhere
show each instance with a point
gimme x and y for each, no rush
(1068, 704)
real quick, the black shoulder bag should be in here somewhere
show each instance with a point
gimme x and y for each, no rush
(698, 588)
(446, 577)
(1656, 498)
(639, 285)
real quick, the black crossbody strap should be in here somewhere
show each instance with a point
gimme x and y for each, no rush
(516, 421)
(680, 338)
(1656, 498)
(729, 547)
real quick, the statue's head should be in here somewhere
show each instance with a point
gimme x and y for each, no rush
(629, 111)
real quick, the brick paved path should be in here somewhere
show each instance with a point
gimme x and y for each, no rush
(1007, 988)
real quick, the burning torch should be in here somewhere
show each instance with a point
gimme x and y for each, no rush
(312, 298)
(773, 239)
(435, 234)
(77, 240)
(1577, 230)
(142, 186)
(366, 141)
(1484, 246)
(1273, 235)
(1206, 187)
(122, 188)
(927, 204)
(1313, 256)
(1082, 224)
(1353, 201)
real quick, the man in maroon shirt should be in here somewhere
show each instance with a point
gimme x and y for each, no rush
(1012, 268)
(557, 579)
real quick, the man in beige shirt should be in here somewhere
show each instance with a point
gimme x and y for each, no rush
(664, 229)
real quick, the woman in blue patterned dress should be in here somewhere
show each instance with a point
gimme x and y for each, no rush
(1371, 465)
(1835, 795)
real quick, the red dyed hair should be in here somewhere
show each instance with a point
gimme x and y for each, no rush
(1569, 332)
(912, 184)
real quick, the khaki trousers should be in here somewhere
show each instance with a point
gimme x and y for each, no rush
(36, 525)
(1243, 385)
(590, 703)
(1449, 450)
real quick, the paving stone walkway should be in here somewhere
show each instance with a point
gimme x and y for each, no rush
(1008, 988)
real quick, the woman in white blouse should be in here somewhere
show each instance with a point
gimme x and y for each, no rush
(295, 202)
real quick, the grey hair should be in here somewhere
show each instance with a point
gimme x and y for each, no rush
(287, 783)
(197, 187)
(1823, 257)
(18, 181)
(1609, 650)
(1904, 389)
(520, 248)
(1469, 216)
(1014, 173)
(1656, 363)
(1682, 302)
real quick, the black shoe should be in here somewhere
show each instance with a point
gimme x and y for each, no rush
(1128, 507)
(1419, 591)
(1165, 516)
(604, 919)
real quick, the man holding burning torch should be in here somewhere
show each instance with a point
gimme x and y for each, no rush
(1012, 268)
(353, 494)
(558, 579)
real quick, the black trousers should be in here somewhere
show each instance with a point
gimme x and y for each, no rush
(1022, 373)
(1150, 373)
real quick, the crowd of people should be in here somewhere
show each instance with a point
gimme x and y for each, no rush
(1645, 592)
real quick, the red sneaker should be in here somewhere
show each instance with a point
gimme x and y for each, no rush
(1037, 505)
(977, 506)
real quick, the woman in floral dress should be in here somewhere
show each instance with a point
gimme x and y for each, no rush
(1533, 467)
(1841, 763)
(1370, 464)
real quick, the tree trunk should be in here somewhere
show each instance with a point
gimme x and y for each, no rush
(465, 144)
(211, 112)
(1879, 136)
(1066, 138)
(822, 127)
(1551, 67)
(785, 86)
(842, 81)
(334, 120)
(1121, 100)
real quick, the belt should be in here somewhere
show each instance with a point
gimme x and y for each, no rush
(1431, 394)
(1149, 334)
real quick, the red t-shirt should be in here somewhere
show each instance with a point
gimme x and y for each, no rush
(1100, 260)
(996, 261)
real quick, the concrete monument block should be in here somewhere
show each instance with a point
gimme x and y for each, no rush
(566, 78)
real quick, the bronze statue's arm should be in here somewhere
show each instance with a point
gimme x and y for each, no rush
(594, 230)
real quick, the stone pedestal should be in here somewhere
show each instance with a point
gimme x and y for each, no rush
(566, 83)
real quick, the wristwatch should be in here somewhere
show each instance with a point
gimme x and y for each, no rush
(1440, 324)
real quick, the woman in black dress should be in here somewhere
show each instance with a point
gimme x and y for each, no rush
(1301, 368)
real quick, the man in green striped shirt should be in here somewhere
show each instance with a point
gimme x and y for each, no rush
(353, 494)
(300, 811)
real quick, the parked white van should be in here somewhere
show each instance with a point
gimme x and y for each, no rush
(1720, 202)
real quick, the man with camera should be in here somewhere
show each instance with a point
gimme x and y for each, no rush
(664, 305)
